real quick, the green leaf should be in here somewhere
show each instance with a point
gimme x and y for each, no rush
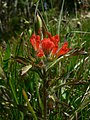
(41, 104)
(2, 74)
(29, 105)
(54, 62)
(6, 57)
(26, 22)
(25, 69)
(7, 53)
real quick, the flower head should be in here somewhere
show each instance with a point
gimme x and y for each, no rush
(48, 45)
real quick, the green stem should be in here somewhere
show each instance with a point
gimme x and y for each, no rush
(44, 94)
(45, 104)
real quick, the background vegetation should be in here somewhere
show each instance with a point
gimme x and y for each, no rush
(21, 96)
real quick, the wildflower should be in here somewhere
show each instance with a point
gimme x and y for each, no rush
(48, 45)
(35, 41)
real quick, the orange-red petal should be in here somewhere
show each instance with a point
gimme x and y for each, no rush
(54, 50)
(55, 39)
(40, 53)
(63, 50)
(35, 41)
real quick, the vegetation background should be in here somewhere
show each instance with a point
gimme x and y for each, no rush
(69, 85)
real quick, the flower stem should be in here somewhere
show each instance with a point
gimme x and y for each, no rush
(45, 103)
(44, 94)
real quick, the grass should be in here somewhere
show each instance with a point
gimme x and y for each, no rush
(68, 83)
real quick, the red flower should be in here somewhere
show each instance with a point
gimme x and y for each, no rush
(35, 41)
(55, 39)
(48, 45)
(63, 50)
(54, 50)
(40, 53)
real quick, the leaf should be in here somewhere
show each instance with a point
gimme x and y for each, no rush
(7, 53)
(53, 63)
(84, 103)
(25, 69)
(56, 61)
(40, 103)
(6, 58)
(86, 98)
(26, 22)
(76, 52)
(2, 74)
(29, 105)
(21, 60)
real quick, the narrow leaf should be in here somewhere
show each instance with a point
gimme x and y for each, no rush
(29, 105)
(2, 74)
(25, 69)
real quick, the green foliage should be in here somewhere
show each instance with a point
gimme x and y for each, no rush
(67, 78)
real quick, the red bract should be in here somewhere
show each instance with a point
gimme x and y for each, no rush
(63, 50)
(55, 39)
(48, 45)
(40, 53)
(35, 41)
(54, 50)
